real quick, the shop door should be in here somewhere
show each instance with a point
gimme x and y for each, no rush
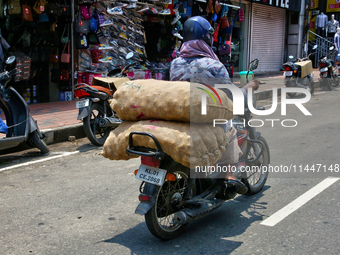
(268, 31)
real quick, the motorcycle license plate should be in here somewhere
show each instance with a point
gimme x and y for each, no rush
(82, 103)
(288, 73)
(151, 175)
(325, 69)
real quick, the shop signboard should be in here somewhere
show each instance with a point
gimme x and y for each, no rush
(333, 5)
(293, 5)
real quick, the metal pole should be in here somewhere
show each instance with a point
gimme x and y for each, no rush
(301, 25)
(72, 48)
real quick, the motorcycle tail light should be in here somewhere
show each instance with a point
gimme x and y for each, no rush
(288, 68)
(323, 64)
(80, 93)
(143, 198)
(170, 177)
(150, 161)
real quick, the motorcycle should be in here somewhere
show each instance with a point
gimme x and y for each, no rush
(94, 108)
(171, 197)
(22, 128)
(328, 76)
(297, 73)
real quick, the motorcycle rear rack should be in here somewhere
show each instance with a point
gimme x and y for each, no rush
(142, 151)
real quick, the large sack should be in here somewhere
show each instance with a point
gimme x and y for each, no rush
(176, 139)
(169, 100)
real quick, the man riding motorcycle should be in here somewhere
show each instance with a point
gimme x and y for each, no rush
(197, 62)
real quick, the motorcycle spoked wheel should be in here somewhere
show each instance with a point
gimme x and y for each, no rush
(160, 219)
(256, 179)
(93, 131)
(327, 84)
(291, 83)
(35, 140)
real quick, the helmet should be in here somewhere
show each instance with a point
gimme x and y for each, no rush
(198, 28)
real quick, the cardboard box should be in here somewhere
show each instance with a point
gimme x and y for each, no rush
(107, 82)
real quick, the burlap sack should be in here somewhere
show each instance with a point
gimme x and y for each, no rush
(198, 144)
(169, 100)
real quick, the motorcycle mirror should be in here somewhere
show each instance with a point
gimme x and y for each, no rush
(291, 57)
(129, 55)
(253, 64)
(331, 48)
(10, 60)
(314, 47)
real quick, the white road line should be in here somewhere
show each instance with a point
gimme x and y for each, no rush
(297, 203)
(38, 161)
(318, 93)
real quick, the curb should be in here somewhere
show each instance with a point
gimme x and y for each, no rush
(61, 134)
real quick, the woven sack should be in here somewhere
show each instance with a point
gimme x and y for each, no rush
(191, 145)
(168, 100)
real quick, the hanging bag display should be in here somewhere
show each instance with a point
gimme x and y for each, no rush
(85, 12)
(39, 6)
(65, 9)
(224, 49)
(26, 11)
(82, 25)
(240, 15)
(53, 57)
(64, 75)
(65, 37)
(53, 9)
(65, 56)
(14, 7)
(94, 22)
(81, 41)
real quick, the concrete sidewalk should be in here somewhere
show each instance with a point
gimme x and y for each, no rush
(58, 120)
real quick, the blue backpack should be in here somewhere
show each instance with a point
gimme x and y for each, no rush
(94, 22)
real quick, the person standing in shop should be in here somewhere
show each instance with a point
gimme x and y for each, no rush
(3, 46)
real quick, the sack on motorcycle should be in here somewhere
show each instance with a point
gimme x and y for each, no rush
(188, 144)
(169, 100)
(305, 67)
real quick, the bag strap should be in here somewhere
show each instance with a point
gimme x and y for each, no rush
(63, 31)
(65, 48)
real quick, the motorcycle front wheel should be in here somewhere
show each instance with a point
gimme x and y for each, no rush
(327, 83)
(257, 173)
(161, 220)
(96, 134)
(35, 140)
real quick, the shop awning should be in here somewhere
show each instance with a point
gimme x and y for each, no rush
(285, 4)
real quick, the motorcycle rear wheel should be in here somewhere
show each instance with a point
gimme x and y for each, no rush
(327, 84)
(291, 83)
(256, 180)
(93, 131)
(160, 219)
(35, 140)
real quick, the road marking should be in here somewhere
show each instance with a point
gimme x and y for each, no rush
(64, 154)
(297, 203)
(318, 93)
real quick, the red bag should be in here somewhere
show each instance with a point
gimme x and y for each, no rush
(85, 11)
(224, 22)
(26, 11)
(216, 33)
(240, 15)
(53, 57)
(64, 75)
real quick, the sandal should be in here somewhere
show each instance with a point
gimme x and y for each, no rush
(239, 186)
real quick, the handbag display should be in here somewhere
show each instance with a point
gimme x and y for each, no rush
(53, 57)
(224, 49)
(65, 38)
(85, 12)
(26, 11)
(14, 7)
(65, 56)
(64, 75)
(53, 9)
(94, 22)
(65, 9)
(39, 6)
(44, 17)
(224, 22)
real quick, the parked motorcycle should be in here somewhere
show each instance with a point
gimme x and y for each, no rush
(22, 128)
(170, 197)
(297, 73)
(328, 76)
(94, 108)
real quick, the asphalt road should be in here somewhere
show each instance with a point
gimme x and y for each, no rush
(82, 203)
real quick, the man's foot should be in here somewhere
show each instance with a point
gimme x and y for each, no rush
(239, 186)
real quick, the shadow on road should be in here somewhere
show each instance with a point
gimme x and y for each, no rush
(213, 234)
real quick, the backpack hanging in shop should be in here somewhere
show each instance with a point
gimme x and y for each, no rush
(39, 6)
(82, 25)
(65, 9)
(26, 11)
(14, 7)
(53, 8)
(81, 41)
(94, 22)
(64, 75)
(85, 11)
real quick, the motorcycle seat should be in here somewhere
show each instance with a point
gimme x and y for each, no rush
(103, 89)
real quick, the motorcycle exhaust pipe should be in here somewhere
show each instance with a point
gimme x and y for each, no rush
(109, 122)
(187, 215)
